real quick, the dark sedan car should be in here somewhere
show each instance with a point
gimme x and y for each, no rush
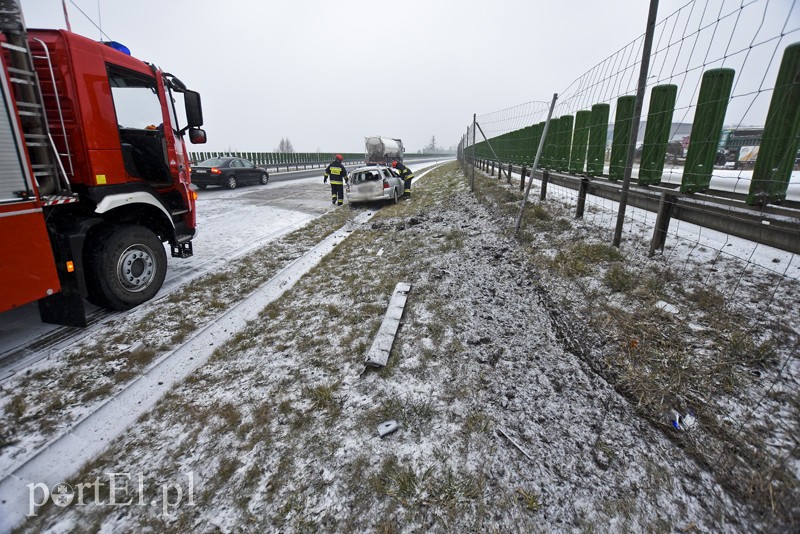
(228, 172)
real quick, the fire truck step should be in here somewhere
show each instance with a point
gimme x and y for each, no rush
(176, 213)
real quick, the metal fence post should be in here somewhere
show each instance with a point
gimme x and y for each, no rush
(535, 164)
(496, 157)
(637, 112)
(522, 178)
(472, 182)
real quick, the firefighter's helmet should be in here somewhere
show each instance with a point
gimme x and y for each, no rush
(394, 163)
(339, 157)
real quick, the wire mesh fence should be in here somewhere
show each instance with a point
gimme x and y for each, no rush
(719, 138)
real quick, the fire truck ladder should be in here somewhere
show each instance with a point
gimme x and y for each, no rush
(46, 164)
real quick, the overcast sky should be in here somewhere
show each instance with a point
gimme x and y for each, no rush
(325, 74)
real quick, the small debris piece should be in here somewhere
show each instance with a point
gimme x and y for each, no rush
(514, 443)
(378, 354)
(684, 422)
(666, 307)
(387, 427)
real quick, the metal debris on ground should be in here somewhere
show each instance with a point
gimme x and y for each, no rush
(514, 443)
(378, 353)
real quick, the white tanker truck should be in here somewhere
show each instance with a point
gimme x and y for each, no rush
(383, 150)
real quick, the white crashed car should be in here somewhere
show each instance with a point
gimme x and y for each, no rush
(373, 183)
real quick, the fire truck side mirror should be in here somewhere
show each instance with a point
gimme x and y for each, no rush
(197, 136)
(194, 110)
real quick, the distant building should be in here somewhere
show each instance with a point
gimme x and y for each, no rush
(735, 138)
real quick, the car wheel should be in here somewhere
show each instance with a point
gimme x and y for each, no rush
(126, 266)
(264, 179)
(396, 196)
(232, 182)
(202, 186)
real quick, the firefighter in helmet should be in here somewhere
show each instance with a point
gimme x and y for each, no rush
(406, 175)
(338, 175)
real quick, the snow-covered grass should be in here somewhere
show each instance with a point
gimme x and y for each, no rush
(52, 395)
(531, 379)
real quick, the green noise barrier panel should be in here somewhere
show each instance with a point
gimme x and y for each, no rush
(564, 142)
(656, 134)
(526, 149)
(596, 153)
(580, 141)
(548, 153)
(623, 120)
(715, 92)
(779, 145)
(537, 137)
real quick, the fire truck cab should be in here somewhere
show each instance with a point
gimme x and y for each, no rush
(94, 172)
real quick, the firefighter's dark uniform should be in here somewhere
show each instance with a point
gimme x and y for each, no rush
(338, 175)
(406, 175)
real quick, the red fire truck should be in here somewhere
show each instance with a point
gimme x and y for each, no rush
(94, 173)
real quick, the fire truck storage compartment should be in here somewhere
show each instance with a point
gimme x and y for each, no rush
(27, 269)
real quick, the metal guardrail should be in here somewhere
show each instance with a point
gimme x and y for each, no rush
(773, 225)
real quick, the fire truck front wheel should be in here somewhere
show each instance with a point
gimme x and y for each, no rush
(126, 267)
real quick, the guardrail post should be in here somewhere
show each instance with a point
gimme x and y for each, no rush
(582, 190)
(545, 178)
(492, 171)
(662, 223)
(510, 168)
(522, 178)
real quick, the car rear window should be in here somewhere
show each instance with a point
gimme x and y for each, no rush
(366, 176)
(212, 162)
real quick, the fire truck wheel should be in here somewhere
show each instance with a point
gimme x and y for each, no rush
(126, 266)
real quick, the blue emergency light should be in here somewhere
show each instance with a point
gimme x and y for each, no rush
(118, 46)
